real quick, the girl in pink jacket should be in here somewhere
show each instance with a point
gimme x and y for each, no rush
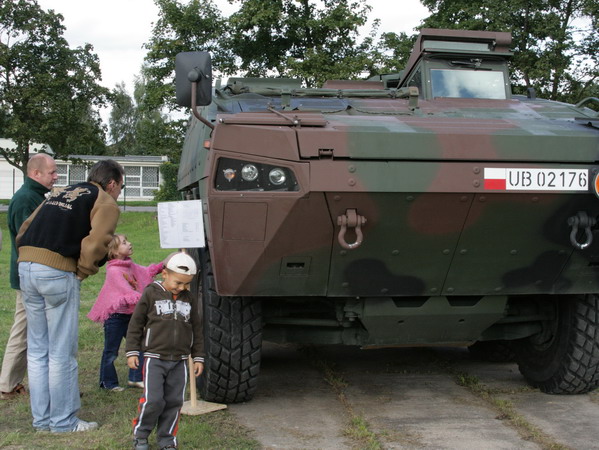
(123, 286)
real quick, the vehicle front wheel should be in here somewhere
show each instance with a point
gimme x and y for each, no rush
(564, 357)
(232, 341)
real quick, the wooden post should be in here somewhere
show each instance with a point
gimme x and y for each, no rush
(194, 407)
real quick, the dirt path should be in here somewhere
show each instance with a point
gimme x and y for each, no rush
(342, 397)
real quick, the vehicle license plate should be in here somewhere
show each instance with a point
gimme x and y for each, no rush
(536, 179)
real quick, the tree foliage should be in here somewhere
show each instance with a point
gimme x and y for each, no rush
(314, 41)
(168, 190)
(391, 53)
(182, 27)
(137, 129)
(555, 41)
(306, 39)
(48, 91)
(122, 121)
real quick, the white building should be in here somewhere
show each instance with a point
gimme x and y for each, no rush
(142, 173)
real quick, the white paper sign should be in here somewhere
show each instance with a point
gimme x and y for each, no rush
(181, 224)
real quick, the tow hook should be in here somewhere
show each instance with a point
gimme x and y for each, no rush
(581, 220)
(350, 219)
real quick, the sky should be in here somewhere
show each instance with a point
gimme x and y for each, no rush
(117, 29)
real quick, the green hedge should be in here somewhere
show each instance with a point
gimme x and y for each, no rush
(168, 190)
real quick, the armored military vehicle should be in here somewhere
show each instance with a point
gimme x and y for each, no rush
(430, 207)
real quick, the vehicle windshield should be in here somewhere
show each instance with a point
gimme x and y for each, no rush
(468, 83)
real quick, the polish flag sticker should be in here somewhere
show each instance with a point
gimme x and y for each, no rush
(495, 179)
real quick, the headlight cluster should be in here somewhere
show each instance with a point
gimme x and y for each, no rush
(237, 175)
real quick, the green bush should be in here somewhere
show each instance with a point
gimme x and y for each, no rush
(168, 191)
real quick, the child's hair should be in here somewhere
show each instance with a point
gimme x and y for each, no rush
(113, 246)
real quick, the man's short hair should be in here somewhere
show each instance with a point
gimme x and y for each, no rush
(104, 171)
(39, 161)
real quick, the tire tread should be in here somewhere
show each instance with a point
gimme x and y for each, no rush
(233, 326)
(577, 368)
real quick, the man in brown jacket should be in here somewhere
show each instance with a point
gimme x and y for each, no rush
(64, 241)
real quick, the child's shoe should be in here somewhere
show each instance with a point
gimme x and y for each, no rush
(140, 444)
(136, 384)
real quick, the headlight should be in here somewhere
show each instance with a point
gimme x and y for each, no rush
(277, 176)
(249, 172)
(237, 175)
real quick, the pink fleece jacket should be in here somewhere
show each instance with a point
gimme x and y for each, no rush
(123, 286)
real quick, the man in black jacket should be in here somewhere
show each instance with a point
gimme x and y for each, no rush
(64, 241)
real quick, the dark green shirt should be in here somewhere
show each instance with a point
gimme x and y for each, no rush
(23, 203)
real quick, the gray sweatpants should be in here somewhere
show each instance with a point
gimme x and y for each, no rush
(161, 402)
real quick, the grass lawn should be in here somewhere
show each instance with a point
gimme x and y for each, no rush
(114, 411)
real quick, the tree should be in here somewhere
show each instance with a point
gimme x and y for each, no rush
(48, 91)
(197, 25)
(290, 38)
(122, 121)
(297, 38)
(391, 53)
(137, 129)
(156, 132)
(555, 49)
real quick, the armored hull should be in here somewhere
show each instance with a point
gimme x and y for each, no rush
(429, 208)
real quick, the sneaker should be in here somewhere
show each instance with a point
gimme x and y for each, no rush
(18, 390)
(117, 389)
(136, 384)
(140, 444)
(82, 425)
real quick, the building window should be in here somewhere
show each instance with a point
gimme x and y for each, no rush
(140, 181)
(77, 174)
(63, 174)
(150, 180)
(70, 174)
(132, 181)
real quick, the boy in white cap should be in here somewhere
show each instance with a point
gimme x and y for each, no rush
(166, 325)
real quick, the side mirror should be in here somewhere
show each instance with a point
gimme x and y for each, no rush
(193, 67)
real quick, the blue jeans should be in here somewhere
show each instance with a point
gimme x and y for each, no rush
(115, 330)
(51, 299)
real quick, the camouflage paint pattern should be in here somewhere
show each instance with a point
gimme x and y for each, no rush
(431, 176)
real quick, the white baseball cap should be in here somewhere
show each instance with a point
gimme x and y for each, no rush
(181, 263)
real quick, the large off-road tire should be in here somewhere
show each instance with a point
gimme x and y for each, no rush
(564, 357)
(232, 341)
(494, 351)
